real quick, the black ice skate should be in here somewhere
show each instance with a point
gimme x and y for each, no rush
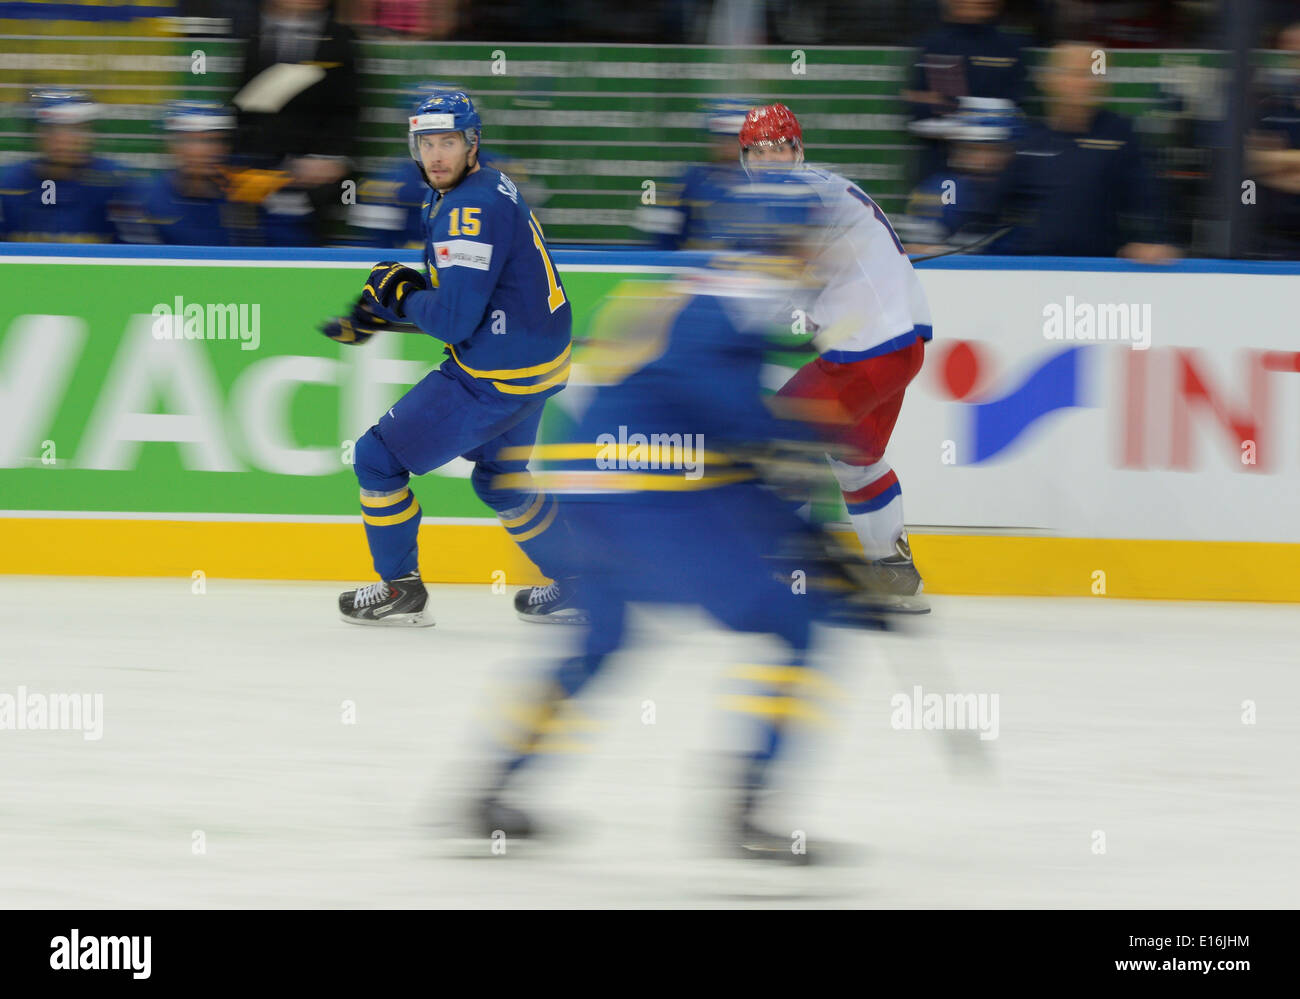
(398, 602)
(754, 843)
(552, 604)
(893, 584)
(493, 820)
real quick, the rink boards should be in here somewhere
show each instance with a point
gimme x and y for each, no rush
(1080, 427)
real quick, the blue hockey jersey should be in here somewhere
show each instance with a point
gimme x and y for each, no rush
(674, 424)
(158, 212)
(676, 223)
(36, 206)
(495, 298)
(392, 208)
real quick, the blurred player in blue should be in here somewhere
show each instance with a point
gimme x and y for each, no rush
(190, 205)
(676, 222)
(65, 194)
(493, 295)
(959, 205)
(667, 481)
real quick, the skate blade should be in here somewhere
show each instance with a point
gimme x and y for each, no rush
(892, 604)
(461, 847)
(559, 617)
(750, 880)
(420, 619)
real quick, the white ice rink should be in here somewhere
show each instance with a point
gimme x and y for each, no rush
(223, 715)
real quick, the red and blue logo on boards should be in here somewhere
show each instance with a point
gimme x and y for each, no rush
(996, 421)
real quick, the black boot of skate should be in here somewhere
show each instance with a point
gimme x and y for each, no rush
(397, 602)
(494, 819)
(551, 604)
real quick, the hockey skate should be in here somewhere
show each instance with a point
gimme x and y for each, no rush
(892, 584)
(750, 861)
(398, 602)
(550, 604)
(487, 827)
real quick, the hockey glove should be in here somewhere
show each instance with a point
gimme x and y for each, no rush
(389, 284)
(358, 327)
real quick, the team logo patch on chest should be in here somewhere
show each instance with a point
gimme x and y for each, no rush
(463, 253)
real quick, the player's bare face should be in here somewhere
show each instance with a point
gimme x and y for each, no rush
(447, 158)
(771, 154)
(66, 145)
(201, 154)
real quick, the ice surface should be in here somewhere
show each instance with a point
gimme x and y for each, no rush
(224, 714)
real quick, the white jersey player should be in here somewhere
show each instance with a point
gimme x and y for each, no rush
(872, 322)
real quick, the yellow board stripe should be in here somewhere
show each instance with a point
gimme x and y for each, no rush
(533, 532)
(536, 369)
(556, 379)
(391, 499)
(396, 518)
(469, 553)
(527, 515)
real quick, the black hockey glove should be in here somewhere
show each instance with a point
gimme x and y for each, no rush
(389, 284)
(357, 327)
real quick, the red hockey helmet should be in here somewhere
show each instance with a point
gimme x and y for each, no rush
(774, 123)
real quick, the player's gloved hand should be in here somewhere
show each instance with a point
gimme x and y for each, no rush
(389, 284)
(357, 327)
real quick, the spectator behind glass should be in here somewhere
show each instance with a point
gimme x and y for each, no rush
(1273, 154)
(424, 19)
(1079, 185)
(968, 57)
(298, 117)
(65, 194)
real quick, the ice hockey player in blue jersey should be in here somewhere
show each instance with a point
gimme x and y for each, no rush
(676, 221)
(189, 205)
(671, 502)
(393, 207)
(493, 295)
(65, 194)
(959, 205)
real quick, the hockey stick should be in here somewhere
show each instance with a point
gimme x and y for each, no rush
(979, 244)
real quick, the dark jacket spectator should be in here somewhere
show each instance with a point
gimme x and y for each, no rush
(301, 128)
(1079, 184)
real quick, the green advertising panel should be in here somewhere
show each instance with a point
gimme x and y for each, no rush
(110, 403)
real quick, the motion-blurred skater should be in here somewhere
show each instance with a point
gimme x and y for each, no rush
(663, 482)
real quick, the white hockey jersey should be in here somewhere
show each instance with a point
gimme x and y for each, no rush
(871, 301)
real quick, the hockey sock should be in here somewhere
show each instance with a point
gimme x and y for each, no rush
(538, 527)
(546, 725)
(875, 504)
(784, 696)
(392, 522)
(389, 510)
